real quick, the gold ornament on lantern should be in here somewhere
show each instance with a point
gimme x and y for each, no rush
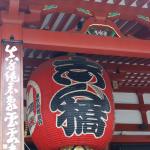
(76, 148)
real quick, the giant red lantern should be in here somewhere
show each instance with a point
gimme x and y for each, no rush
(70, 103)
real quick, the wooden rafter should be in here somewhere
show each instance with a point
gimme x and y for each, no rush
(97, 9)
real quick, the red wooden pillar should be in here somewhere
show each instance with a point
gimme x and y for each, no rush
(11, 84)
(143, 111)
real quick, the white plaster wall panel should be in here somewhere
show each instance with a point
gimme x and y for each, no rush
(117, 133)
(125, 98)
(146, 97)
(128, 117)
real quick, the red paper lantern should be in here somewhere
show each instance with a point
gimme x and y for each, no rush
(70, 103)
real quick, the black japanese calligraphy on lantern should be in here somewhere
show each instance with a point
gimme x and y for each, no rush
(78, 69)
(81, 111)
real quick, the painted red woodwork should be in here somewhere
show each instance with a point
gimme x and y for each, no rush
(133, 107)
(12, 24)
(14, 7)
(143, 111)
(133, 89)
(71, 42)
(126, 68)
(131, 127)
(98, 9)
(108, 66)
(121, 73)
(46, 135)
(131, 139)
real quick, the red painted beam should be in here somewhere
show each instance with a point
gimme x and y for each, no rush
(133, 89)
(131, 139)
(126, 68)
(131, 127)
(133, 107)
(80, 43)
